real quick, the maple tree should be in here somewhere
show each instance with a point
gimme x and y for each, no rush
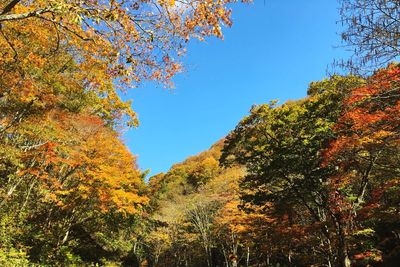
(51, 125)
(365, 152)
(113, 44)
(68, 173)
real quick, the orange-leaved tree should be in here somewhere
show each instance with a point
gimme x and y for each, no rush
(114, 44)
(69, 174)
(366, 152)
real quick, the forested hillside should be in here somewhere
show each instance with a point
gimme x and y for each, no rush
(311, 182)
(192, 208)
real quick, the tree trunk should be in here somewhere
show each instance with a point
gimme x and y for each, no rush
(248, 257)
(343, 258)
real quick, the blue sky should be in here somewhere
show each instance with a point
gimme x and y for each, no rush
(273, 51)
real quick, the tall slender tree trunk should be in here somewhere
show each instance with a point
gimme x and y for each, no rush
(248, 257)
(344, 260)
(208, 256)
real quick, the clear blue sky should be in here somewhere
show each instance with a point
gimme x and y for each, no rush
(273, 51)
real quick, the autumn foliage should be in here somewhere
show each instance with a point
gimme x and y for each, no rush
(366, 153)
(71, 192)
(311, 182)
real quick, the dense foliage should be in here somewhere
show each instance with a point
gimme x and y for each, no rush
(312, 182)
(194, 213)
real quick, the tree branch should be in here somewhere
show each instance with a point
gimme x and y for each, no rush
(10, 6)
(25, 15)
